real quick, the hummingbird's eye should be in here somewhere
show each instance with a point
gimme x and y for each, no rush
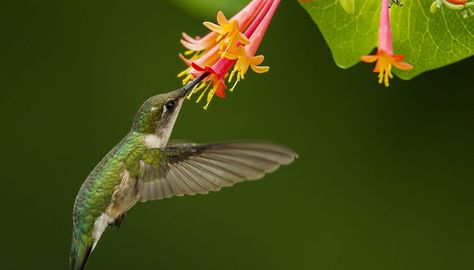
(170, 105)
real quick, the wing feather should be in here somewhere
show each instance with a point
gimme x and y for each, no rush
(197, 169)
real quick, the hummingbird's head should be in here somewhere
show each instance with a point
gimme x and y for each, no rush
(158, 114)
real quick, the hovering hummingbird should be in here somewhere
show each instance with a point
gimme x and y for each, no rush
(145, 166)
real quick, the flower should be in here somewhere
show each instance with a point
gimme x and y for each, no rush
(466, 8)
(232, 43)
(457, 2)
(384, 57)
(229, 31)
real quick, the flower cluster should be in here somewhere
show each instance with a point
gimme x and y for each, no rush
(466, 8)
(385, 58)
(227, 52)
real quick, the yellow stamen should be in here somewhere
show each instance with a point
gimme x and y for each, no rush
(243, 63)
(196, 89)
(189, 52)
(210, 95)
(202, 93)
(204, 84)
(234, 85)
(385, 74)
(187, 77)
(182, 73)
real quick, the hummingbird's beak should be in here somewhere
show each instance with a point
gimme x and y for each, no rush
(188, 87)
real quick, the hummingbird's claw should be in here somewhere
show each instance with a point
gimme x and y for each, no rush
(116, 223)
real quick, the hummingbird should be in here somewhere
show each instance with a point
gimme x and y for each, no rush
(146, 166)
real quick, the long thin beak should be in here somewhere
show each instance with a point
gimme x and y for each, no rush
(188, 87)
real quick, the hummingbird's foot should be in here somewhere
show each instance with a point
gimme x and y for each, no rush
(116, 223)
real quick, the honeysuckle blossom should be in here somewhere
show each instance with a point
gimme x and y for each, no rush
(464, 6)
(227, 52)
(384, 58)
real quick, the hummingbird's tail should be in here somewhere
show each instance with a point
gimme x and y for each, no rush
(81, 248)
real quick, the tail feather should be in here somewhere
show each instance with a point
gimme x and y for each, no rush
(80, 250)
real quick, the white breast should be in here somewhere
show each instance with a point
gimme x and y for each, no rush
(153, 141)
(100, 225)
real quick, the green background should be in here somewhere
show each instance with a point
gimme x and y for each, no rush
(384, 179)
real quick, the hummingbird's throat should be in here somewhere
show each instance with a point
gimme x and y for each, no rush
(165, 126)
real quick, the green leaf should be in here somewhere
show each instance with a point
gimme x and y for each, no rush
(428, 40)
(348, 6)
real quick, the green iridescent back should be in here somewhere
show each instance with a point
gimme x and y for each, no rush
(96, 191)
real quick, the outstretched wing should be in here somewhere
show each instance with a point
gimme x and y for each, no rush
(188, 169)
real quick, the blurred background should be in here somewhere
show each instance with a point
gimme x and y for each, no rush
(384, 179)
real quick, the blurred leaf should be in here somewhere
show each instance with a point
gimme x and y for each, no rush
(428, 40)
(209, 8)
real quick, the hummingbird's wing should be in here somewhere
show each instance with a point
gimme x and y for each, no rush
(188, 169)
(178, 141)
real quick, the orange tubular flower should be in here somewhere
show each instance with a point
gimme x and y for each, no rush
(385, 58)
(231, 43)
(457, 2)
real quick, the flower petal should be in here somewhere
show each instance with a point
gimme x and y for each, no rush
(220, 90)
(197, 67)
(185, 60)
(259, 69)
(402, 65)
(369, 58)
(257, 60)
(243, 39)
(398, 57)
(221, 19)
(214, 27)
